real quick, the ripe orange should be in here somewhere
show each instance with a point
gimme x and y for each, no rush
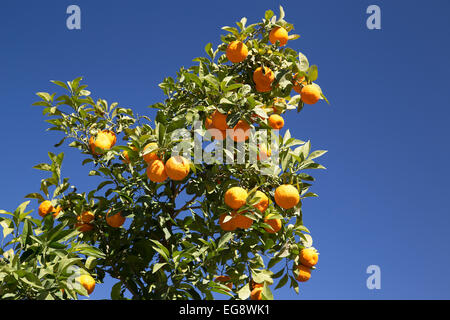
(150, 157)
(235, 197)
(225, 279)
(280, 34)
(83, 227)
(156, 171)
(287, 196)
(254, 285)
(308, 257)
(240, 132)
(116, 220)
(87, 282)
(45, 208)
(310, 94)
(263, 88)
(299, 83)
(274, 223)
(263, 80)
(217, 134)
(86, 217)
(219, 120)
(256, 293)
(104, 141)
(229, 225)
(177, 168)
(126, 156)
(263, 202)
(57, 211)
(276, 121)
(241, 221)
(304, 273)
(236, 51)
(208, 123)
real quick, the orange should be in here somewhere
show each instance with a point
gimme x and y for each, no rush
(156, 171)
(83, 227)
(236, 51)
(150, 157)
(256, 294)
(263, 80)
(104, 141)
(263, 202)
(45, 208)
(219, 120)
(86, 217)
(287, 196)
(229, 225)
(125, 155)
(264, 153)
(57, 211)
(304, 273)
(116, 220)
(240, 132)
(235, 197)
(274, 223)
(263, 88)
(241, 221)
(177, 168)
(87, 282)
(276, 121)
(278, 34)
(310, 94)
(217, 134)
(225, 279)
(299, 83)
(308, 257)
(208, 123)
(254, 285)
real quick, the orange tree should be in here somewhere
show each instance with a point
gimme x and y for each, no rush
(166, 226)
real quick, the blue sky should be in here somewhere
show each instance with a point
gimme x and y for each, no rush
(383, 199)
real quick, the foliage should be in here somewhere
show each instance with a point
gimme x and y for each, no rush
(171, 246)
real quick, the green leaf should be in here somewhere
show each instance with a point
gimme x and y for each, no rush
(266, 293)
(282, 282)
(316, 154)
(269, 14)
(35, 195)
(225, 239)
(162, 250)
(158, 266)
(313, 73)
(244, 292)
(43, 166)
(115, 291)
(91, 262)
(6, 223)
(282, 14)
(303, 62)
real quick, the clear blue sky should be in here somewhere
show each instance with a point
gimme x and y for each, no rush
(383, 199)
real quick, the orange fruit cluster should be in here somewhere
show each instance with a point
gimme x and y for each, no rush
(176, 168)
(308, 258)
